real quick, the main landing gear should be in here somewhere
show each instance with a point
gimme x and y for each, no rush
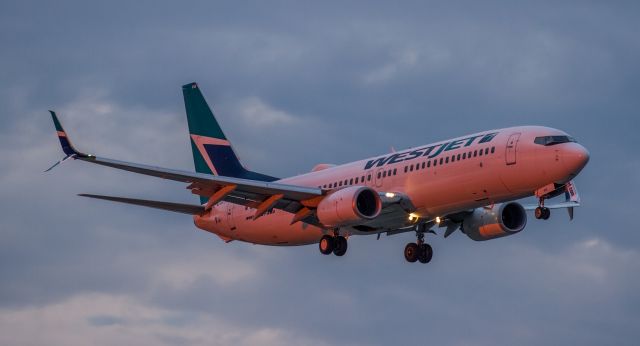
(541, 211)
(336, 244)
(419, 251)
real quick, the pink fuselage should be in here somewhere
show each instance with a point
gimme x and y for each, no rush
(514, 168)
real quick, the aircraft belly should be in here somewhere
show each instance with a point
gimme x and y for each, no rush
(273, 228)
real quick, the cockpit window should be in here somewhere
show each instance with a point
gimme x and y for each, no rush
(552, 140)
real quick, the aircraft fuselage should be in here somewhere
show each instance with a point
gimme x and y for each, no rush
(440, 179)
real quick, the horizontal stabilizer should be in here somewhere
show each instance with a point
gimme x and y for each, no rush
(169, 206)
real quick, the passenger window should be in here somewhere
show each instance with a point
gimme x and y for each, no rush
(351, 181)
(411, 168)
(369, 177)
(379, 175)
(435, 162)
(340, 184)
(446, 160)
(362, 179)
(493, 150)
(458, 157)
(389, 172)
(441, 161)
(453, 158)
(405, 169)
(475, 153)
(429, 163)
(480, 152)
(486, 151)
(356, 180)
(384, 174)
(424, 165)
(395, 171)
(345, 182)
(464, 156)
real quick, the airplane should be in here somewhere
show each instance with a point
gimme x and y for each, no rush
(470, 183)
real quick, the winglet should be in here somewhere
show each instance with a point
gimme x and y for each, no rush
(67, 147)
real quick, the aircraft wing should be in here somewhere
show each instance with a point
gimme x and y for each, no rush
(256, 194)
(260, 195)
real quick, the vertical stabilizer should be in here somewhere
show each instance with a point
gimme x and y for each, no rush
(212, 152)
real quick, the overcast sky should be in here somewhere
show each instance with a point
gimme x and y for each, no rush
(294, 85)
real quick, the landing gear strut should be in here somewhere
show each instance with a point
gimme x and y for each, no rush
(419, 251)
(336, 244)
(541, 211)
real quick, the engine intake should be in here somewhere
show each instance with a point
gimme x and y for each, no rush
(499, 221)
(349, 206)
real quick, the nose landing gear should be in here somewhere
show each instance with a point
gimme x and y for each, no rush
(541, 211)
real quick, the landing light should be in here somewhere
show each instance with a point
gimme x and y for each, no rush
(389, 194)
(438, 219)
(413, 216)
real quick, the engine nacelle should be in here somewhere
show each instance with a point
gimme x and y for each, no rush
(349, 206)
(499, 221)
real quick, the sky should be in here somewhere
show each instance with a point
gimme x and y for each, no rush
(296, 84)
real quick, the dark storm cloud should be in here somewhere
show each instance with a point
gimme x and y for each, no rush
(320, 83)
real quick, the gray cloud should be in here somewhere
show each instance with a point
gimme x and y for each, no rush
(342, 81)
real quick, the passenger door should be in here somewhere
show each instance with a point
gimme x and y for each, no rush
(512, 148)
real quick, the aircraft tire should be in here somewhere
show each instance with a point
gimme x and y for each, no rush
(425, 253)
(539, 213)
(411, 252)
(341, 246)
(546, 213)
(326, 244)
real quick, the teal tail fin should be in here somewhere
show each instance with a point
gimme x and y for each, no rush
(212, 152)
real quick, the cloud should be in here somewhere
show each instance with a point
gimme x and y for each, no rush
(256, 113)
(102, 319)
(401, 63)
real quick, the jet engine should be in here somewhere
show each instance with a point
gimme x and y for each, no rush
(349, 206)
(498, 221)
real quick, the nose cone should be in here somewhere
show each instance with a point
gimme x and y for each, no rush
(574, 158)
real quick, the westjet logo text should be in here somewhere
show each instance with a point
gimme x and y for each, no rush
(431, 151)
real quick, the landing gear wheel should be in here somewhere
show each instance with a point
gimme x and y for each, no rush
(411, 252)
(326, 244)
(340, 246)
(542, 213)
(425, 253)
(546, 213)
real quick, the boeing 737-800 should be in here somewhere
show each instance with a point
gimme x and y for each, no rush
(469, 183)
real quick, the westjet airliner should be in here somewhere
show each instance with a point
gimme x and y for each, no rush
(470, 183)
